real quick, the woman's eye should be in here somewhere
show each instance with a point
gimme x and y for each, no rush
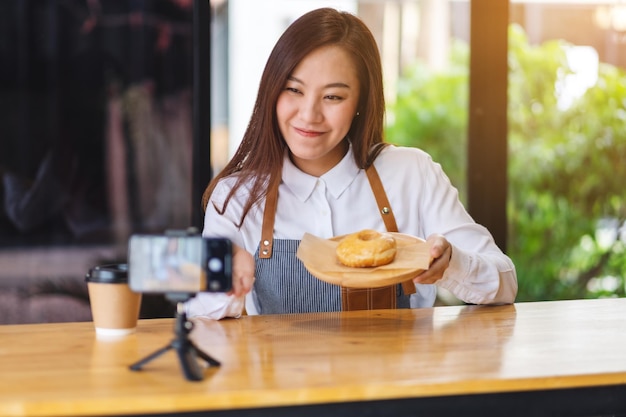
(334, 98)
(292, 90)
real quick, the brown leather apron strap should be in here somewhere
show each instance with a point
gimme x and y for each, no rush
(386, 213)
(269, 213)
(381, 199)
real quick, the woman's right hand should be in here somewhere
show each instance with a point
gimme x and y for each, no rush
(243, 271)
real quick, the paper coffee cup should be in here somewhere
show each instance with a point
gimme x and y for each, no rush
(114, 306)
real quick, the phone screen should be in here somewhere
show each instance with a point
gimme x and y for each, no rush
(178, 264)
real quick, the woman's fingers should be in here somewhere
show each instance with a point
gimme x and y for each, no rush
(440, 252)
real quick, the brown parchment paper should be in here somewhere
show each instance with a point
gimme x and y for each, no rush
(319, 258)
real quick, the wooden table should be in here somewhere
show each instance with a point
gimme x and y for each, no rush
(527, 359)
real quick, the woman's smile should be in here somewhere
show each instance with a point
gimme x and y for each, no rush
(308, 133)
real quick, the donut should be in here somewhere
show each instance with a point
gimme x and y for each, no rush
(366, 248)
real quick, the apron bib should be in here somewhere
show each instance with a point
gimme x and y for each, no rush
(283, 285)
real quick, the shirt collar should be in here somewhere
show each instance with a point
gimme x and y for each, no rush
(337, 179)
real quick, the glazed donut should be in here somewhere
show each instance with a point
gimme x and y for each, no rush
(366, 248)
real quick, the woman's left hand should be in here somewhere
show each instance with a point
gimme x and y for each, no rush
(440, 252)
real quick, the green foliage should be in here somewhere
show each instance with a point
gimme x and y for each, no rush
(431, 113)
(567, 167)
(566, 171)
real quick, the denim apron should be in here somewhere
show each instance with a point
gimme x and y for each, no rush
(283, 285)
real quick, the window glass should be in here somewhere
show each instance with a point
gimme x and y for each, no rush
(567, 144)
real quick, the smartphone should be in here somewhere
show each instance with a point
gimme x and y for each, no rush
(179, 264)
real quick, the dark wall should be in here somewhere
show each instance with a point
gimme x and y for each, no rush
(62, 62)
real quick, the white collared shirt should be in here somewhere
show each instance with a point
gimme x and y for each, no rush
(341, 201)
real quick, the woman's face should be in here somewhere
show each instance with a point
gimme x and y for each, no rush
(316, 108)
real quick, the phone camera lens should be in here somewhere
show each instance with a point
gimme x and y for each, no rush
(215, 265)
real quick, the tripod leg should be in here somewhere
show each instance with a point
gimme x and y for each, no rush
(209, 359)
(187, 356)
(137, 365)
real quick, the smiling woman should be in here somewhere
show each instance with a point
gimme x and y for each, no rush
(307, 163)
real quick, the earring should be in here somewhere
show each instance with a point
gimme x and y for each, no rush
(357, 113)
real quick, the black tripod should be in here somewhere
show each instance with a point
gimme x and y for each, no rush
(185, 348)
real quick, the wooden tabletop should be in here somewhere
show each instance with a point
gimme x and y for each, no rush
(281, 360)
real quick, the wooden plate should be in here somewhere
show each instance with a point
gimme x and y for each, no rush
(319, 258)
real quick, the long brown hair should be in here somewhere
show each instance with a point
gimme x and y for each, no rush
(259, 157)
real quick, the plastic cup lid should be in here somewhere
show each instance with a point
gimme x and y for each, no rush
(112, 273)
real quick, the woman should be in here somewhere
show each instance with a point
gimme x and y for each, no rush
(316, 127)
